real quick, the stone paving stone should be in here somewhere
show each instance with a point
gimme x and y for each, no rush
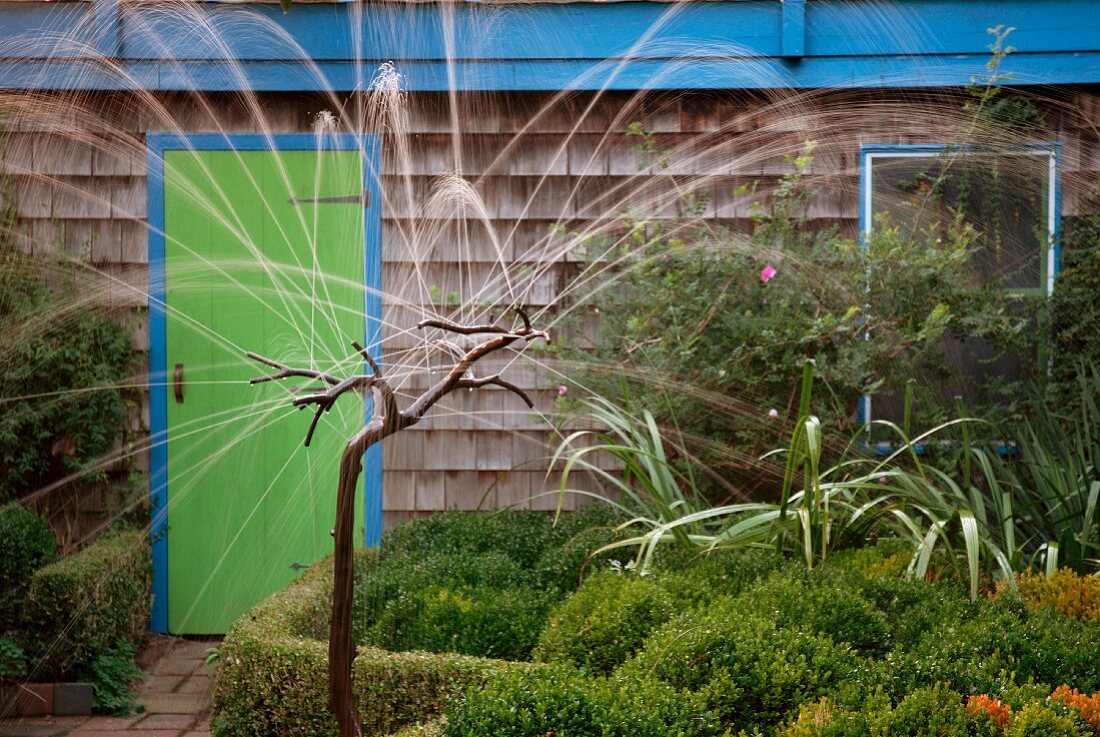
(174, 703)
(173, 666)
(161, 684)
(109, 723)
(128, 733)
(9, 729)
(165, 721)
(196, 684)
(196, 733)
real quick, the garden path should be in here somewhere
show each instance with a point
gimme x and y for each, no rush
(175, 697)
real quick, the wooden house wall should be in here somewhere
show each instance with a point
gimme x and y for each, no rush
(538, 164)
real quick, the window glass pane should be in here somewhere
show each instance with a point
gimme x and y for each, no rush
(1004, 196)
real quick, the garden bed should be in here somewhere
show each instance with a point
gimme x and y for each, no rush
(702, 646)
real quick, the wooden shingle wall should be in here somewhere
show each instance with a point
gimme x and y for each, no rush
(488, 213)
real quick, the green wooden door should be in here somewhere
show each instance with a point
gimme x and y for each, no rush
(263, 252)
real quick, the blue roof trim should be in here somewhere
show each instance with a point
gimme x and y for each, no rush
(627, 45)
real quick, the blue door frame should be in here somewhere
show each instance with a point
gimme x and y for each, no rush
(160, 143)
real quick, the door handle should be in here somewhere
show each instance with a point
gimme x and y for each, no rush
(177, 382)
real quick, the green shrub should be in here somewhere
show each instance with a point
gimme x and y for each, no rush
(912, 608)
(930, 712)
(471, 620)
(605, 621)
(87, 603)
(13, 660)
(533, 703)
(406, 574)
(564, 566)
(59, 369)
(560, 701)
(695, 579)
(750, 673)
(26, 544)
(1001, 646)
(1038, 720)
(113, 675)
(828, 607)
(273, 673)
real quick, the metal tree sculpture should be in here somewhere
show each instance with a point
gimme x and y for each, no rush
(386, 420)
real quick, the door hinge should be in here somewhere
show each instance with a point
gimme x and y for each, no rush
(348, 199)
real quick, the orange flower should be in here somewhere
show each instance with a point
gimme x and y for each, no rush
(1088, 707)
(983, 705)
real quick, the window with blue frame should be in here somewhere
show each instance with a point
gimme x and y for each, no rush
(1011, 199)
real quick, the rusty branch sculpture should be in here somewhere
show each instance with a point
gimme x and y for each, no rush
(385, 421)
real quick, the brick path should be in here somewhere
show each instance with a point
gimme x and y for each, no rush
(176, 697)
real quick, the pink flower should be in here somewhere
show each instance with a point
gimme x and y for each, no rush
(767, 273)
(664, 257)
(562, 390)
(773, 413)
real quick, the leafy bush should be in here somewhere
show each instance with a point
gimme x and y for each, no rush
(26, 544)
(748, 671)
(604, 622)
(1066, 591)
(558, 700)
(60, 369)
(823, 606)
(1000, 646)
(703, 325)
(113, 675)
(85, 604)
(471, 620)
(1075, 303)
(933, 712)
(13, 661)
(1037, 720)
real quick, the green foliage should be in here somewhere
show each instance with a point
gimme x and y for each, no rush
(820, 605)
(473, 620)
(474, 584)
(528, 704)
(1036, 720)
(930, 712)
(85, 604)
(273, 677)
(60, 369)
(13, 661)
(1002, 645)
(26, 544)
(748, 671)
(1075, 303)
(605, 621)
(703, 342)
(558, 700)
(113, 674)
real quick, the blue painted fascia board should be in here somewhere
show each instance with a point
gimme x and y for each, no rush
(627, 45)
(157, 144)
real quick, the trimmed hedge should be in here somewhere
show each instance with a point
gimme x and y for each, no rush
(87, 603)
(605, 622)
(26, 544)
(273, 678)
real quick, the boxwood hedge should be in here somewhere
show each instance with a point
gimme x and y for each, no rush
(273, 677)
(85, 604)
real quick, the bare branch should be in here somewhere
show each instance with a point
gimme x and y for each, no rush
(495, 380)
(368, 358)
(454, 327)
(286, 372)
